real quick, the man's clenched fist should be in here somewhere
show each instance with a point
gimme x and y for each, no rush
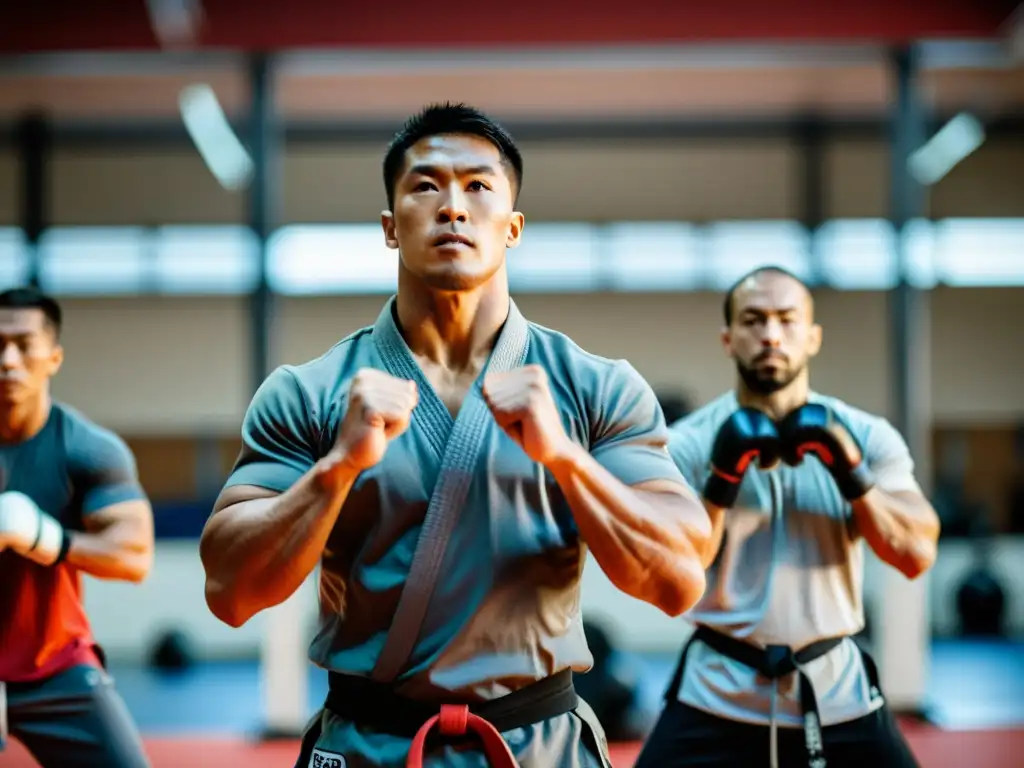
(817, 430)
(27, 530)
(747, 434)
(379, 409)
(521, 403)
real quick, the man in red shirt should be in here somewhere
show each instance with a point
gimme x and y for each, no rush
(70, 502)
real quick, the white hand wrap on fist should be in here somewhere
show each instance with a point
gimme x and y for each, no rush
(28, 530)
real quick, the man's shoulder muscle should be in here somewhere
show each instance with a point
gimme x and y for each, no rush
(99, 464)
(345, 357)
(322, 380)
(568, 362)
(84, 440)
(288, 424)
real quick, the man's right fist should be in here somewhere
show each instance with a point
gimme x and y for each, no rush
(747, 434)
(379, 409)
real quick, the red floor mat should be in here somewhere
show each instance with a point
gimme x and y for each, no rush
(934, 749)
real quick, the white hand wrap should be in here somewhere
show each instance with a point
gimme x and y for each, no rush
(29, 531)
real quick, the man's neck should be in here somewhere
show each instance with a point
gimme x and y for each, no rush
(23, 421)
(454, 329)
(778, 404)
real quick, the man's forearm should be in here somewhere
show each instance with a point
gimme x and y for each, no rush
(258, 552)
(116, 553)
(716, 515)
(647, 543)
(902, 529)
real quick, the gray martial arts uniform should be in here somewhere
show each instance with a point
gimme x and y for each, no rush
(788, 573)
(59, 700)
(505, 609)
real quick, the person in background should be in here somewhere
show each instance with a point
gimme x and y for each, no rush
(70, 504)
(795, 482)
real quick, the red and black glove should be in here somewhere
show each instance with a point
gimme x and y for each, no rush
(816, 429)
(746, 435)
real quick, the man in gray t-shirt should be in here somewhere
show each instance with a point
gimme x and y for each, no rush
(70, 505)
(794, 482)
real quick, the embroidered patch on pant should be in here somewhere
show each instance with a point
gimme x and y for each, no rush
(323, 759)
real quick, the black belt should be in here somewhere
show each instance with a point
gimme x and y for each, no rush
(774, 662)
(377, 707)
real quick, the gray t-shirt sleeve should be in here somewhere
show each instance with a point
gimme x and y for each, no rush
(686, 450)
(279, 436)
(103, 468)
(629, 437)
(889, 459)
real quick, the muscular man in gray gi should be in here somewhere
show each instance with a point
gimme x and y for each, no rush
(771, 671)
(449, 467)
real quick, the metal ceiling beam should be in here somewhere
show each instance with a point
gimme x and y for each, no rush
(935, 54)
(171, 134)
(119, 63)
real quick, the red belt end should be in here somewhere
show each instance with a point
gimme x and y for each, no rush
(456, 720)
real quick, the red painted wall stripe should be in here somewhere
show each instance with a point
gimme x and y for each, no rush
(263, 24)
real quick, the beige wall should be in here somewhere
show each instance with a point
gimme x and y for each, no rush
(986, 184)
(593, 181)
(180, 366)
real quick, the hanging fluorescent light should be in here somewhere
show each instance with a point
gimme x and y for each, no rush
(175, 22)
(950, 146)
(213, 137)
(1013, 31)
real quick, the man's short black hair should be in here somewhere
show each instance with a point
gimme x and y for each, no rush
(441, 119)
(33, 298)
(769, 268)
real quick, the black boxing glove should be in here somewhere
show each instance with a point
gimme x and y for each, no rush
(747, 434)
(816, 429)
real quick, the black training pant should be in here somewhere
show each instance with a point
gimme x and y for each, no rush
(686, 737)
(74, 719)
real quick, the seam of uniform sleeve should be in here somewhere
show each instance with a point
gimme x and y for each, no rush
(316, 426)
(281, 476)
(109, 496)
(615, 369)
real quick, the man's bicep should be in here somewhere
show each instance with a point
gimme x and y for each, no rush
(889, 460)
(239, 494)
(279, 439)
(629, 437)
(136, 514)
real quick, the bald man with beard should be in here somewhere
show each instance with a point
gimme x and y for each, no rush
(795, 483)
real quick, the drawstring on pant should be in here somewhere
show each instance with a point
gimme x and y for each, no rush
(775, 488)
(3, 716)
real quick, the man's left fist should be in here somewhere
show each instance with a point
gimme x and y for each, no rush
(521, 403)
(816, 429)
(27, 530)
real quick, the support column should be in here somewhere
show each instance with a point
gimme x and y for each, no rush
(264, 208)
(812, 188)
(903, 637)
(283, 665)
(34, 152)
